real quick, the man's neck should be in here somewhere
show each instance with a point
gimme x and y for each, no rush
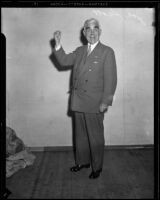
(94, 43)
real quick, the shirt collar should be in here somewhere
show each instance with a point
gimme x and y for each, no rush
(93, 45)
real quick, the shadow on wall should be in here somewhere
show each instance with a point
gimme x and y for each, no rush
(82, 38)
(60, 68)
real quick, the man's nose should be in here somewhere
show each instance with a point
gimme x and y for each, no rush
(92, 31)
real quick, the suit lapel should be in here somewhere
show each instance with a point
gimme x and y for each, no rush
(83, 59)
(87, 61)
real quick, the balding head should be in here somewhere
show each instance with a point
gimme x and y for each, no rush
(90, 21)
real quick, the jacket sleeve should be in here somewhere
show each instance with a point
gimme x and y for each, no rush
(110, 78)
(63, 58)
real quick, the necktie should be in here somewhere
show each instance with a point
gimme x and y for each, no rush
(89, 50)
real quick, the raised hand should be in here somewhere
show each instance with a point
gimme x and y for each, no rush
(57, 37)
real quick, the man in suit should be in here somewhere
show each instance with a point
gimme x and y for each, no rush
(94, 83)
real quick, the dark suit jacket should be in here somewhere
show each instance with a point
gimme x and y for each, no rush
(94, 78)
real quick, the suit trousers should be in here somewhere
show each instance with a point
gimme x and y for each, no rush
(89, 139)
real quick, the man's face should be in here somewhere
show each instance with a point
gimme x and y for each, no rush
(92, 32)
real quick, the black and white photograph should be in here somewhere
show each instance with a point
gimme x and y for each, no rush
(79, 102)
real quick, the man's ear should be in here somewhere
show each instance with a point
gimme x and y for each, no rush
(100, 31)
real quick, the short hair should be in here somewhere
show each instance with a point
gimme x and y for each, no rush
(89, 20)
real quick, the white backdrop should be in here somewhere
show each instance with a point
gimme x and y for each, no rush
(37, 97)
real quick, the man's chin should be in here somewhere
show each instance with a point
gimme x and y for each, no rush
(92, 41)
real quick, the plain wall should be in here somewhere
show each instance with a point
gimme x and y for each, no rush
(36, 92)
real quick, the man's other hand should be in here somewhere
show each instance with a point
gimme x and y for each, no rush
(103, 107)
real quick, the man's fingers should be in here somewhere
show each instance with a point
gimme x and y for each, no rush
(103, 108)
(57, 37)
(57, 34)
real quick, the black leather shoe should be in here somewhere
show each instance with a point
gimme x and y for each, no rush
(95, 174)
(77, 168)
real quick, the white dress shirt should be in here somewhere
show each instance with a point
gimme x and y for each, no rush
(93, 45)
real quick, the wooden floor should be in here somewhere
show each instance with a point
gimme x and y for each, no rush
(127, 174)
